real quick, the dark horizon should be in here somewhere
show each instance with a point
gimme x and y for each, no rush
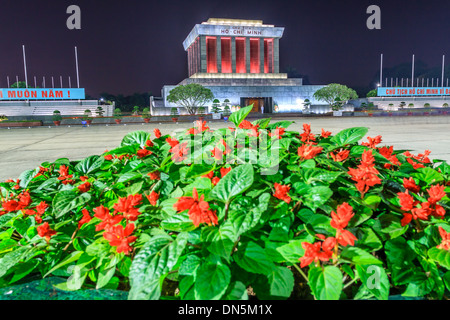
(137, 46)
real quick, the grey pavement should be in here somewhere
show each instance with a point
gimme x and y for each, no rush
(23, 149)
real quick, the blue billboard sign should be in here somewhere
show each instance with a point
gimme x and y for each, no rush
(417, 92)
(42, 94)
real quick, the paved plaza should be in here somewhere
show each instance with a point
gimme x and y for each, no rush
(23, 149)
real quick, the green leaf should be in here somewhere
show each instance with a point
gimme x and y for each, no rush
(292, 251)
(358, 256)
(391, 225)
(74, 256)
(252, 258)
(219, 241)
(26, 177)
(12, 258)
(317, 196)
(238, 116)
(400, 258)
(246, 219)
(236, 291)
(137, 137)
(237, 181)
(129, 176)
(375, 280)
(442, 257)
(189, 266)
(212, 281)
(280, 124)
(263, 123)
(178, 222)
(281, 282)
(428, 175)
(311, 175)
(349, 136)
(158, 256)
(326, 283)
(90, 164)
(198, 170)
(68, 200)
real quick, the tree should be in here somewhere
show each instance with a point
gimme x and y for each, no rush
(21, 85)
(372, 93)
(190, 96)
(335, 95)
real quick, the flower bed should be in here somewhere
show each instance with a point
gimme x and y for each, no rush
(22, 123)
(255, 211)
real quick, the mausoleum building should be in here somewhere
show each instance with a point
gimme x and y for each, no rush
(239, 60)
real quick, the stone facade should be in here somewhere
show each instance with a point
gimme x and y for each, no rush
(250, 72)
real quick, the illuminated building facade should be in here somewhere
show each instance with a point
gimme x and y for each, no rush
(239, 60)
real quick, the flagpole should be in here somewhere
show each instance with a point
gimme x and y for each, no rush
(381, 71)
(412, 82)
(76, 62)
(25, 66)
(443, 69)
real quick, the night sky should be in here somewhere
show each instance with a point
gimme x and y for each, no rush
(136, 45)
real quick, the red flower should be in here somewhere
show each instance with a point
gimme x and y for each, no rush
(85, 219)
(149, 143)
(157, 133)
(179, 152)
(245, 124)
(325, 134)
(411, 185)
(224, 171)
(307, 136)
(121, 238)
(10, 206)
(108, 157)
(343, 216)
(153, 198)
(436, 192)
(341, 156)
(281, 192)
(108, 220)
(407, 202)
(278, 132)
(128, 207)
(24, 200)
(41, 207)
(340, 221)
(172, 142)
(365, 175)
(307, 151)
(415, 165)
(209, 175)
(345, 238)
(388, 154)
(313, 252)
(217, 154)
(45, 231)
(445, 244)
(83, 179)
(199, 211)
(199, 127)
(373, 142)
(85, 187)
(155, 175)
(142, 153)
(41, 172)
(64, 176)
(215, 180)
